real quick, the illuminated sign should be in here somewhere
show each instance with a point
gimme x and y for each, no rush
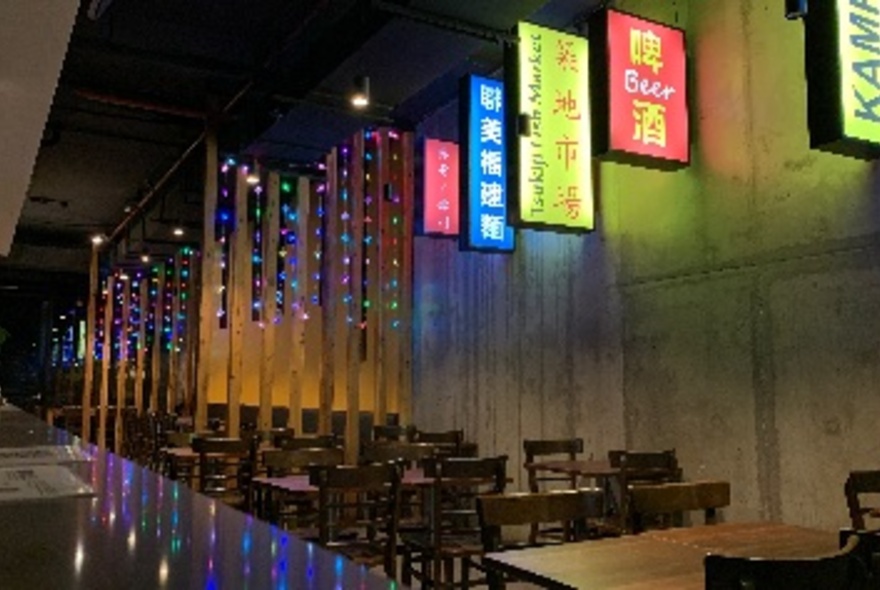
(843, 76)
(484, 183)
(639, 95)
(441, 188)
(554, 176)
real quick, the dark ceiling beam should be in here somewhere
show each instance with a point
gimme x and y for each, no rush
(444, 22)
(139, 104)
(60, 129)
(201, 65)
(140, 208)
(97, 8)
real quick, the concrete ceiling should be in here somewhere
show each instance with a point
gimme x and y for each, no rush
(138, 81)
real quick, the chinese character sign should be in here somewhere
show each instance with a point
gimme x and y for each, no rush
(555, 176)
(647, 88)
(485, 195)
(441, 188)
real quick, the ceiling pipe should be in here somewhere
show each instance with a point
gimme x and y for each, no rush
(444, 22)
(142, 205)
(133, 103)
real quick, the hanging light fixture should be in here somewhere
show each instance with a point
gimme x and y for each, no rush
(360, 98)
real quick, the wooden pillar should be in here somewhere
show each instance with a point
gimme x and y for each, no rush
(89, 370)
(156, 352)
(143, 312)
(238, 302)
(404, 403)
(209, 272)
(122, 365)
(384, 262)
(191, 334)
(268, 304)
(355, 290)
(173, 387)
(302, 253)
(329, 290)
(106, 359)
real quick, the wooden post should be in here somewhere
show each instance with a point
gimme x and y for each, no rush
(122, 366)
(106, 359)
(238, 274)
(404, 402)
(329, 290)
(89, 370)
(156, 352)
(191, 335)
(173, 387)
(384, 263)
(210, 280)
(268, 305)
(355, 289)
(142, 345)
(302, 253)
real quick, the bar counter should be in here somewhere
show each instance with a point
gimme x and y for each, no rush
(141, 530)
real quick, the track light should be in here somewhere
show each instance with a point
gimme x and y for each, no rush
(360, 98)
(97, 239)
(178, 231)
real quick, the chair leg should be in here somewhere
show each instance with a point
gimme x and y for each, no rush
(465, 573)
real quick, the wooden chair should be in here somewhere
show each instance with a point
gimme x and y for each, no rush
(538, 450)
(358, 513)
(448, 443)
(293, 443)
(641, 468)
(662, 504)
(845, 570)
(289, 510)
(453, 535)
(223, 468)
(859, 484)
(569, 509)
(393, 432)
(408, 454)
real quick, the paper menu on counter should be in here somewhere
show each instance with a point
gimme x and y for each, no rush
(41, 455)
(40, 482)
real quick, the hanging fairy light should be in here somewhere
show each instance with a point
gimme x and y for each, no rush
(345, 216)
(183, 296)
(224, 225)
(255, 216)
(154, 304)
(288, 245)
(396, 229)
(167, 305)
(371, 214)
(100, 305)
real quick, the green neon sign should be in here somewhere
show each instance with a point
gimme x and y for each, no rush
(555, 170)
(859, 50)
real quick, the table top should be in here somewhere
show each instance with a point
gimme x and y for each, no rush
(141, 530)
(670, 559)
(299, 484)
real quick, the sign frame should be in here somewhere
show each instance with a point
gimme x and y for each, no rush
(600, 89)
(464, 162)
(421, 167)
(825, 109)
(517, 128)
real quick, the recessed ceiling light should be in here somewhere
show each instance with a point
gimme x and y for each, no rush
(178, 231)
(97, 239)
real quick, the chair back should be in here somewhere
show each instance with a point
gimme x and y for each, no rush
(640, 468)
(841, 571)
(293, 443)
(224, 468)
(568, 508)
(405, 453)
(665, 502)
(534, 450)
(393, 432)
(448, 442)
(358, 512)
(281, 462)
(858, 484)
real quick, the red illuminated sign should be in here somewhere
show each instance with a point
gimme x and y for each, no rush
(441, 188)
(645, 102)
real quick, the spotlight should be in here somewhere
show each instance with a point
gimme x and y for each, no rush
(123, 276)
(178, 231)
(145, 257)
(253, 179)
(97, 239)
(360, 98)
(795, 9)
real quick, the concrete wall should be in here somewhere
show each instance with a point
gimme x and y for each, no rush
(731, 309)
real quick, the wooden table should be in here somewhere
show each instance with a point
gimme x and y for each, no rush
(596, 468)
(670, 559)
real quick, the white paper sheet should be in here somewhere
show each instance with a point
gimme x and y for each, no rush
(40, 482)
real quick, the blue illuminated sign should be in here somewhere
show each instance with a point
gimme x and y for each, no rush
(484, 182)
